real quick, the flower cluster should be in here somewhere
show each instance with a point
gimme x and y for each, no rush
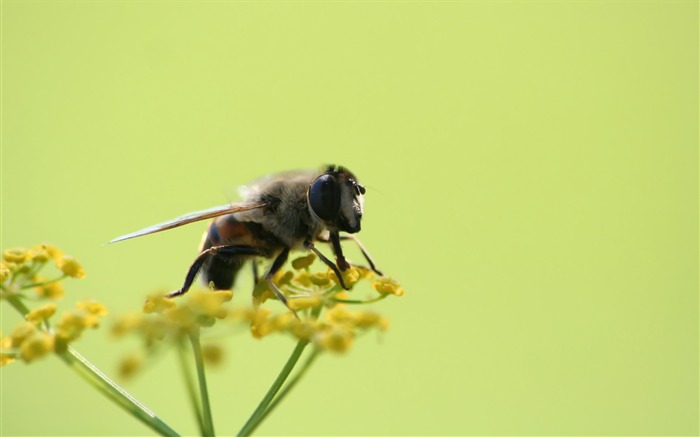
(308, 294)
(21, 281)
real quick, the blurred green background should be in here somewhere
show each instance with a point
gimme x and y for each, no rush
(532, 174)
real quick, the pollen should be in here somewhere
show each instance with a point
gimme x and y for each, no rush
(387, 285)
(70, 266)
(41, 313)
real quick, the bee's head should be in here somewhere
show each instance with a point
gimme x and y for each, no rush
(336, 198)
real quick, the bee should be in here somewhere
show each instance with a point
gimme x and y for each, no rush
(280, 213)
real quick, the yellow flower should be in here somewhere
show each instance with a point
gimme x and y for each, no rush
(305, 329)
(92, 307)
(212, 354)
(71, 267)
(53, 290)
(16, 255)
(209, 303)
(127, 323)
(41, 313)
(303, 261)
(281, 279)
(5, 272)
(350, 276)
(260, 325)
(387, 285)
(54, 252)
(336, 338)
(368, 319)
(319, 279)
(6, 357)
(21, 332)
(302, 278)
(302, 303)
(36, 345)
(157, 304)
(39, 253)
(130, 365)
(70, 326)
(262, 293)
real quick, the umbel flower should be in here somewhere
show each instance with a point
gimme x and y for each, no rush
(21, 281)
(320, 312)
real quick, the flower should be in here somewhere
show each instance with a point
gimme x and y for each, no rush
(387, 285)
(5, 271)
(350, 276)
(41, 314)
(16, 255)
(130, 365)
(212, 354)
(303, 261)
(51, 290)
(36, 345)
(71, 267)
(6, 356)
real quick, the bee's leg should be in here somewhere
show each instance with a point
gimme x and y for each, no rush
(276, 266)
(235, 250)
(309, 245)
(338, 250)
(366, 254)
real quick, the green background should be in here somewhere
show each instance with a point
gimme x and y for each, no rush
(532, 174)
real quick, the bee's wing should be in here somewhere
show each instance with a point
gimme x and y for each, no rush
(192, 217)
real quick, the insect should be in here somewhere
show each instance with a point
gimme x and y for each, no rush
(279, 213)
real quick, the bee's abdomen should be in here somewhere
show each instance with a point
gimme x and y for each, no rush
(221, 269)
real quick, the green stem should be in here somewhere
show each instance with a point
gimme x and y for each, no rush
(189, 383)
(292, 382)
(208, 423)
(259, 412)
(350, 301)
(102, 383)
(118, 395)
(41, 284)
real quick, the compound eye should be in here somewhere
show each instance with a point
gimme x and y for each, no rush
(324, 197)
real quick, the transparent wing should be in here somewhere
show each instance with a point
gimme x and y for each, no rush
(192, 217)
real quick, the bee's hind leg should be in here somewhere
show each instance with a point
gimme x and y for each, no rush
(232, 251)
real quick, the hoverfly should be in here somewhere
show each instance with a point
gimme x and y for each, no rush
(279, 213)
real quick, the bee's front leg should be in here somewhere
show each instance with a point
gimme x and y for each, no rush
(309, 245)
